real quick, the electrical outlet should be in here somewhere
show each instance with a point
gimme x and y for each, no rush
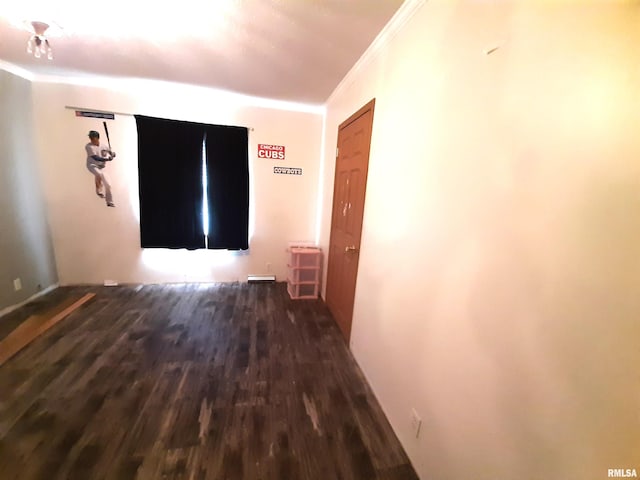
(416, 423)
(17, 284)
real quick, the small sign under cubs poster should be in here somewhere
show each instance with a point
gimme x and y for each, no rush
(287, 170)
(274, 152)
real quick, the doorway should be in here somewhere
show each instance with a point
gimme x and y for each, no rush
(350, 182)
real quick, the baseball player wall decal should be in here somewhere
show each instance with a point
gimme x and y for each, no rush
(97, 156)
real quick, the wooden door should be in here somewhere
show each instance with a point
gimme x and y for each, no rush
(352, 162)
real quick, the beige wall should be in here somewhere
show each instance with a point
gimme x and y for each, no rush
(94, 243)
(25, 241)
(499, 280)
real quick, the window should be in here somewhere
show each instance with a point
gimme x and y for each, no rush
(192, 175)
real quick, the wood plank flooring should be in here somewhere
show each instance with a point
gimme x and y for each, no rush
(224, 382)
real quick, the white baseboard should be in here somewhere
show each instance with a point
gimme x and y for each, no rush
(261, 278)
(11, 308)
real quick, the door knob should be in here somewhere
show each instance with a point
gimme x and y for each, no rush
(351, 248)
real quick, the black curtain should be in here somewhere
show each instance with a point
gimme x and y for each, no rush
(170, 183)
(227, 158)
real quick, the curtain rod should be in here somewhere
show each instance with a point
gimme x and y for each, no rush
(69, 107)
(96, 111)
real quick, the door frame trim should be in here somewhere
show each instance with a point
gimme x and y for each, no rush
(369, 106)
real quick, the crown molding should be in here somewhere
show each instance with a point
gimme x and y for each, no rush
(406, 11)
(133, 84)
(127, 84)
(16, 70)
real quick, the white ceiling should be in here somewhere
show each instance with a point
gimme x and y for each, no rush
(295, 50)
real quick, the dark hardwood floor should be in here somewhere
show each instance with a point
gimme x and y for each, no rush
(228, 381)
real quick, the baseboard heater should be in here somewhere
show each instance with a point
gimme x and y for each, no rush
(261, 278)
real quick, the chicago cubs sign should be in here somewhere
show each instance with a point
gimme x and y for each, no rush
(274, 152)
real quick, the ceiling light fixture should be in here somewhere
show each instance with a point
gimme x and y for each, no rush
(38, 44)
